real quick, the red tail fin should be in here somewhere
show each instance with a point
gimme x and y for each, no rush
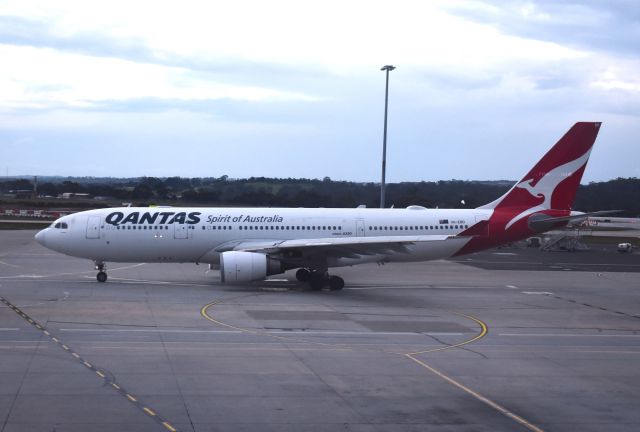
(552, 183)
(548, 189)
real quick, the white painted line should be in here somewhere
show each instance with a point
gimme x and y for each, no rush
(511, 286)
(9, 329)
(18, 347)
(360, 333)
(566, 335)
(537, 292)
(278, 332)
(148, 331)
(423, 287)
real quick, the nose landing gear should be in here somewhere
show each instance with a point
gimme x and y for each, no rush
(102, 274)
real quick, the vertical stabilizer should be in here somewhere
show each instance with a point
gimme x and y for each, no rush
(552, 183)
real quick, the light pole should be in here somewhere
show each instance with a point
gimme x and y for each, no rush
(387, 68)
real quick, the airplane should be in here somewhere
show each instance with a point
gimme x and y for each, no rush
(249, 244)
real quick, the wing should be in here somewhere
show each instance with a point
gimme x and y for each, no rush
(343, 247)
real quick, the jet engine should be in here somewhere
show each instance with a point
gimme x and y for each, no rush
(236, 266)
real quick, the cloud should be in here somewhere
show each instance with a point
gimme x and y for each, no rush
(294, 88)
(583, 25)
(78, 81)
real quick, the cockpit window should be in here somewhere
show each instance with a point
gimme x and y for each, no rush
(61, 225)
(57, 225)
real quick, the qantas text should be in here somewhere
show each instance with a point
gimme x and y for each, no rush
(119, 218)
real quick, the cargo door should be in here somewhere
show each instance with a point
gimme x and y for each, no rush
(484, 225)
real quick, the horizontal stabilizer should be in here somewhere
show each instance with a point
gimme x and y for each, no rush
(541, 222)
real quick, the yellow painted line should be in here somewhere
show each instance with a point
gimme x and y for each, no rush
(75, 355)
(168, 426)
(115, 386)
(38, 326)
(483, 332)
(100, 374)
(148, 411)
(47, 333)
(55, 340)
(64, 347)
(131, 398)
(87, 364)
(478, 396)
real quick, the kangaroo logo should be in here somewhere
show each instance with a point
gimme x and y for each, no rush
(546, 186)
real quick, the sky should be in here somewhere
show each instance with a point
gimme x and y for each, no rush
(294, 88)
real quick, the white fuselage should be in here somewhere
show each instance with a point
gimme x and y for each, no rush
(174, 234)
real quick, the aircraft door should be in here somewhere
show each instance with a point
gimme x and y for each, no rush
(360, 232)
(180, 231)
(93, 227)
(485, 228)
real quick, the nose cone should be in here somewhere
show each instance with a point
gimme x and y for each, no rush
(41, 237)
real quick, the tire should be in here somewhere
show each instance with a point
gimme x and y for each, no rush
(336, 283)
(317, 282)
(303, 275)
(101, 276)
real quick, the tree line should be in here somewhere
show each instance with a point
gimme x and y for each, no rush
(621, 194)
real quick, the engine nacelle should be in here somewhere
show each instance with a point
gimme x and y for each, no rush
(236, 266)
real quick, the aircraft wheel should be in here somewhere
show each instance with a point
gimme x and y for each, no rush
(336, 283)
(303, 275)
(101, 276)
(316, 281)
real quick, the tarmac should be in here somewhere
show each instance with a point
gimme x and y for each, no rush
(505, 340)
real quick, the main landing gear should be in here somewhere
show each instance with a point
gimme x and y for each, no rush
(102, 274)
(319, 279)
